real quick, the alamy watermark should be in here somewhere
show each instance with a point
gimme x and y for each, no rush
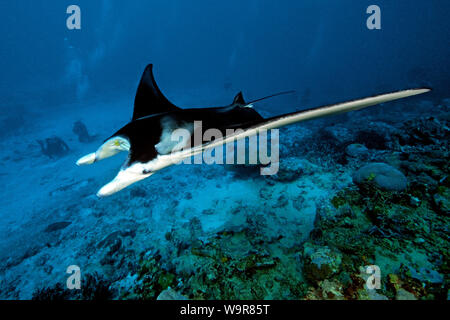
(257, 151)
(374, 20)
(73, 22)
(374, 279)
(74, 280)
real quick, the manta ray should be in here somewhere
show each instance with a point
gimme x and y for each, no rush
(147, 137)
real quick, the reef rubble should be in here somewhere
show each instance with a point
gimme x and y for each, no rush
(348, 199)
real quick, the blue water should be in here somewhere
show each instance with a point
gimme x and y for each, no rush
(204, 52)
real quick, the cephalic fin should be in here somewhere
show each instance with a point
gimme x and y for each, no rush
(87, 159)
(108, 149)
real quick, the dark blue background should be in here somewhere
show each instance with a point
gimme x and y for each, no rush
(320, 48)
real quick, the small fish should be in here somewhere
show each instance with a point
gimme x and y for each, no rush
(147, 137)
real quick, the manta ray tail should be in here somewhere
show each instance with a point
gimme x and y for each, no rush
(239, 99)
(354, 105)
(272, 95)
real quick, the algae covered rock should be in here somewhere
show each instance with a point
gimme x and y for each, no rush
(425, 275)
(290, 169)
(170, 294)
(57, 226)
(442, 202)
(326, 289)
(371, 295)
(402, 294)
(357, 150)
(381, 175)
(320, 263)
(94, 287)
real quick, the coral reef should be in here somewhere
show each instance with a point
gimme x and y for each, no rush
(382, 175)
(170, 294)
(290, 169)
(94, 288)
(320, 263)
(344, 198)
(371, 225)
(357, 150)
